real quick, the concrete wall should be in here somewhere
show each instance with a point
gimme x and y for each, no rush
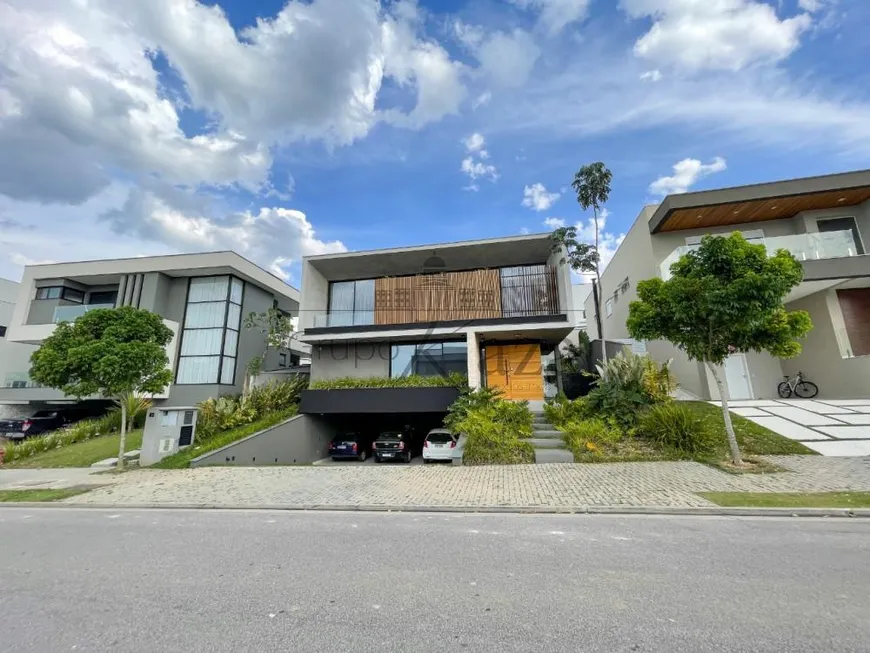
(358, 360)
(822, 360)
(300, 440)
(315, 296)
(563, 285)
(14, 356)
(155, 295)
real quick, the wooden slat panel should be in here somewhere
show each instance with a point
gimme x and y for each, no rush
(761, 210)
(473, 295)
(855, 304)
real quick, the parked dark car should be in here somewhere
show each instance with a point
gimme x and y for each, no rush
(397, 445)
(350, 445)
(42, 421)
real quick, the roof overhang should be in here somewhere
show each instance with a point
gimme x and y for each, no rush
(760, 202)
(465, 255)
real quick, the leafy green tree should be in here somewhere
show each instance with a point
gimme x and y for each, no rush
(592, 185)
(277, 330)
(723, 298)
(108, 352)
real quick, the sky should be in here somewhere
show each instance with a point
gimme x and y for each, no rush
(284, 129)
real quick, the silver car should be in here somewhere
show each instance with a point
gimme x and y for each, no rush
(439, 445)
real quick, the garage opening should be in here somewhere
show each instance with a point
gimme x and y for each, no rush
(364, 428)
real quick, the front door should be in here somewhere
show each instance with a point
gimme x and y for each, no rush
(737, 375)
(516, 369)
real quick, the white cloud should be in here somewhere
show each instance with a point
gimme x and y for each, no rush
(536, 197)
(554, 223)
(274, 237)
(474, 142)
(811, 5)
(481, 100)
(556, 14)
(506, 58)
(474, 145)
(652, 75)
(715, 34)
(81, 101)
(608, 242)
(686, 174)
(475, 169)
(524, 231)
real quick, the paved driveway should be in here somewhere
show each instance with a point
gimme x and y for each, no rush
(832, 427)
(658, 484)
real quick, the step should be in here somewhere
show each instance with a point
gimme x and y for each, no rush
(549, 434)
(541, 426)
(544, 443)
(553, 456)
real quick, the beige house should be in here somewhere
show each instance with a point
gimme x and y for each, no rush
(824, 221)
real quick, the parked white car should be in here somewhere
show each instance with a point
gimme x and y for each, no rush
(439, 445)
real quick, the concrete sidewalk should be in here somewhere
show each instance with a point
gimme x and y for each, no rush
(51, 479)
(567, 486)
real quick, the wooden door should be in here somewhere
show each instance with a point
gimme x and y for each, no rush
(516, 369)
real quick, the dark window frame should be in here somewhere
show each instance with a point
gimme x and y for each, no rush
(282, 359)
(424, 343)
(223, 328)
(859, 242)
(47, 291)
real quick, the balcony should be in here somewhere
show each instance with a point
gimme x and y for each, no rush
(72, 313)
(491, 294)
(19, 380)
(805, 247)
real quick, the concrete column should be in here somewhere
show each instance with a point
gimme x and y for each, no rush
(473, 360)
(128, 291)
(122, 290)
(137, 290)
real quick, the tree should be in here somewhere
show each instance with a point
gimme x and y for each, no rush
(277, 330)
(592, 185)
(723, 298)
(108, 352)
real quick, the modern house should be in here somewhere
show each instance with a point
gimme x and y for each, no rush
(824, 221)
(201, 297)
(492, 310)
(14, 356)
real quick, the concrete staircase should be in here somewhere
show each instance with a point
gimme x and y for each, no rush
(547, 441)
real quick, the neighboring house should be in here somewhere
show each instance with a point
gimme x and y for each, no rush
(201, 297)
(580, 292)
(14, 356)
(493, 310)
(824, 221)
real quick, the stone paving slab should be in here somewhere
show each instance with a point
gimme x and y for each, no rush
(654, 484)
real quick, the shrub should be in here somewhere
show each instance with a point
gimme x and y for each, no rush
(658, 382)
(224, 413)
(623, 404)
(562, 410)
(454, 379)
(676, 427)
(494, 427)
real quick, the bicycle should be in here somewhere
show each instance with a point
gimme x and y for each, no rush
(799, 386)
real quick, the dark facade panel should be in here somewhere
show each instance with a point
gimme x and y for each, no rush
(533, 319)
(377, 400)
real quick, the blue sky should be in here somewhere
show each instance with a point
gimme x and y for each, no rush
(284, 129)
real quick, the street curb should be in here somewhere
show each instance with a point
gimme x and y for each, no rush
(522, 510)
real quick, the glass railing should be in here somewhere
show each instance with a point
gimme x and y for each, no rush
(344, 319)
(805, 247)
(19, 380)
(72, 313)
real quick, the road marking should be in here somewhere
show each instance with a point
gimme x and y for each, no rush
(112, 516)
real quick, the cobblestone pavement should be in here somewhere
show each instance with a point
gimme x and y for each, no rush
(654, 484)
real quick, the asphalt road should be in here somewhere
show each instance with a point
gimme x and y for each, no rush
(179, 580)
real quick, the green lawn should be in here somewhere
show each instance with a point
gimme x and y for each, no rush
(754, 439)
(182, 459)
(81, 454)
(40, 495)
(789, 500)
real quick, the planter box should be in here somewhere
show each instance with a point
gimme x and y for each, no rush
(377, 400)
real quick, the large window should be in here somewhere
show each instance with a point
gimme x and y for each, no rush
(428, 359)
(352, 303)
(209, 341)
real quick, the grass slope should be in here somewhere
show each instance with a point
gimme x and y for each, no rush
(81, 454)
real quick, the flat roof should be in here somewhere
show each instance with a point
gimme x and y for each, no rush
(174, 265)
(524, 249)
(760, 202)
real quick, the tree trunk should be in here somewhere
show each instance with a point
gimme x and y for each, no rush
(726, 414)
(601, 315)
(120, 464)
